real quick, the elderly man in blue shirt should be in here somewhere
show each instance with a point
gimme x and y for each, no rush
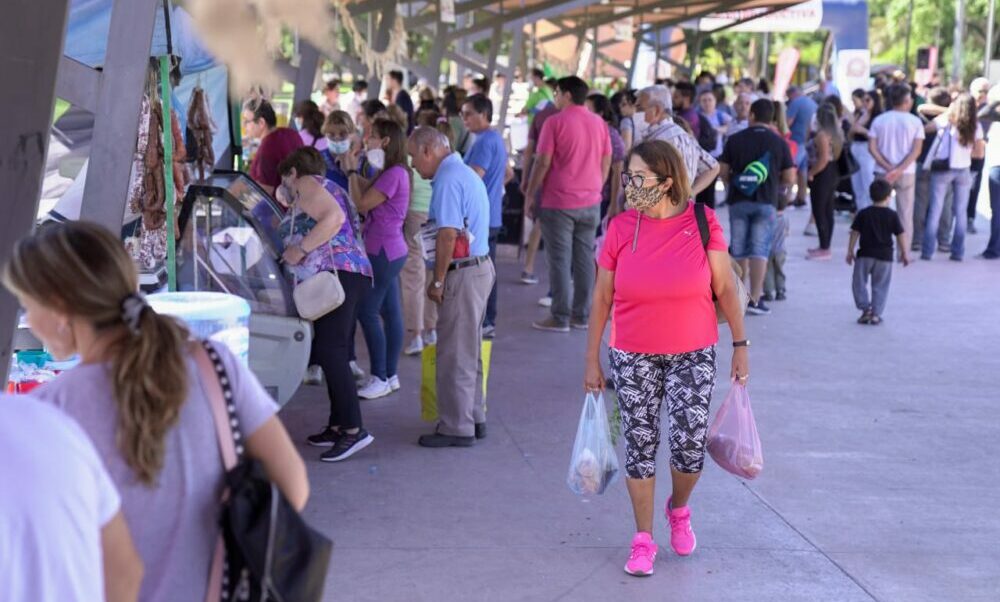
(460, 284)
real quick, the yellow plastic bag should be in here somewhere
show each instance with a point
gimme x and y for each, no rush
(428, 378)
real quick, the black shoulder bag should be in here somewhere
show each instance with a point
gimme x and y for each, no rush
(266, 551)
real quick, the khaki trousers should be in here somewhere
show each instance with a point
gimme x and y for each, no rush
(460, 317)
(419, 314)
(905, 188)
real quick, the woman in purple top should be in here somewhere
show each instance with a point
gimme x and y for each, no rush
(321, 233)
(385, 200)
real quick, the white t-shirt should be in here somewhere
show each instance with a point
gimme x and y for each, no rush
(960, 157)
(55, 497)
(895, 133)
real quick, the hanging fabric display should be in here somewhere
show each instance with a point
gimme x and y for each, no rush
(200, 130)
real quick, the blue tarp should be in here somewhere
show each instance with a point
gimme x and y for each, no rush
(87, 39)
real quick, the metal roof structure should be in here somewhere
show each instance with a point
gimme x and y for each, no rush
(33, 34)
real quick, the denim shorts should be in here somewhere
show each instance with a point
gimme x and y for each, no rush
(751, 229)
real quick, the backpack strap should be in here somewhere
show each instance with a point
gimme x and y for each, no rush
(702, 219)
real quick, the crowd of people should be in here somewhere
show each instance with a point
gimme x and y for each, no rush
(404, 203)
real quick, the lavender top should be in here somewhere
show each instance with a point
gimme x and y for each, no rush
(384, 224)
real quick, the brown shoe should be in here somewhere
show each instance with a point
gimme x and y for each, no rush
(550, 324)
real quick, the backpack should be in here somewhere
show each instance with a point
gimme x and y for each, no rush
(708, 136)
(737, 271)
(753, 175)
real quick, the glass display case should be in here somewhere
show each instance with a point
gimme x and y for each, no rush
(229, 244)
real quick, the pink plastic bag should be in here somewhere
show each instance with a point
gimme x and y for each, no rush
(732, 439)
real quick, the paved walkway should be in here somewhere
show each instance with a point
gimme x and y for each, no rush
(881, 478)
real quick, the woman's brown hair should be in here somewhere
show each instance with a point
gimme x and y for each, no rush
(395, 151)
(963, 117)
(306, 161)
(83, 270)
(666, 162)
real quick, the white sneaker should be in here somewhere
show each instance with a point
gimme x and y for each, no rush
(314, 376)
(545, 301)
(375, 388)
(357, 371)
(415, 347)
(394, 382)
(430, 338)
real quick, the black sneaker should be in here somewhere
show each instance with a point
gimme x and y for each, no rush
(327, 438)
(758, 308)
(780, 296)
(480, 430)
(348, 445)
(766, 297)
(866, 317)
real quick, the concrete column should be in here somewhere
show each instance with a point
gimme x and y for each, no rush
(116, 118)
(306, 75)
(31, 42)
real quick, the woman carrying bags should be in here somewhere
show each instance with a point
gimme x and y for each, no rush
(320, 233)
(138, 395)
(384, 200)
(663, 338)
(959, 140)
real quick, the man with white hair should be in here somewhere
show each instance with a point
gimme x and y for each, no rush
(741, 114)
(462, 278)
(980, 89)
(702, 168)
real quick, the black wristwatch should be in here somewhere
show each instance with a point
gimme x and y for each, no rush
(743, 343)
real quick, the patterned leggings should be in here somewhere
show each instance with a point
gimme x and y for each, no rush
(642, 381)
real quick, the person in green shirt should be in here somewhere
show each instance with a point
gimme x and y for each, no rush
(540, 95)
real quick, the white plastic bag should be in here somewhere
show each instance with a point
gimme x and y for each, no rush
(594, 464)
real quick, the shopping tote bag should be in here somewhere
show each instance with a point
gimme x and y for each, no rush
(428, 378)
(732, 439)
(594, 464)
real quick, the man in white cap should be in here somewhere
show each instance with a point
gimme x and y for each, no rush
(657, 105)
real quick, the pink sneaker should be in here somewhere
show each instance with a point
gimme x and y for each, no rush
(682, 538)
(643, 556)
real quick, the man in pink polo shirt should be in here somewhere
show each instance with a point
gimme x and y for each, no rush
(572, 160)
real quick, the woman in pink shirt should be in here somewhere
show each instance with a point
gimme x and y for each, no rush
(385, 200)
(659, 278)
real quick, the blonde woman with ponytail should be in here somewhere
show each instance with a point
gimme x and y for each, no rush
(138, 396)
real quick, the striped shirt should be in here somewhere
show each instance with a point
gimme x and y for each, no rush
(696, 159)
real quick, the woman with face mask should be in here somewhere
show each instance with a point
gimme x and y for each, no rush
(138, 395)
(321, 232)
(341, 139)
(385, 200)
(655, 274)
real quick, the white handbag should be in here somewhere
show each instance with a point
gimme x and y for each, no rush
(319, 294)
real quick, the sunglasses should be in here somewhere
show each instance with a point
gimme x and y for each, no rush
(638, 179)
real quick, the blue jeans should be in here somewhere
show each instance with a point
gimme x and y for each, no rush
(751, 229)
(491, 303)
(959, 181)
(993, 248)
(382, 304)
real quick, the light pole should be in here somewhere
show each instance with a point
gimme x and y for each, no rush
(906, 52)
(956, 65)
(988, 53)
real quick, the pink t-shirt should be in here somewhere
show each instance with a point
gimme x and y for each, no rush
(384, 224)
(577, 140)
(663, 290)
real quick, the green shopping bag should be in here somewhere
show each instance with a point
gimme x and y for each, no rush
(428, 378)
